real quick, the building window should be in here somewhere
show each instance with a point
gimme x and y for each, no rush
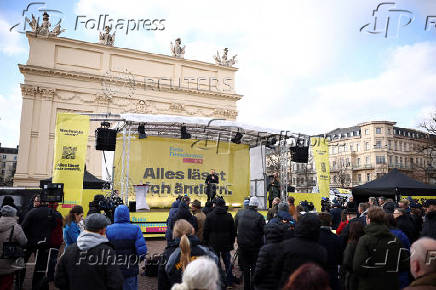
(4, 165)
(396, 160)
(351, 147)
(378, 130)
(380, 160)
(366, 131)
(357, 147)
(389, 131)
(334, 179)
(367, 160)
(390, 160)
(4, 156)
(366, 146)
(401, 161)
(390, 144)
(359, 177)
(378, 144)
(348, 161)
(15, 158)
(358, 161)
(368, 177)
(396, 145)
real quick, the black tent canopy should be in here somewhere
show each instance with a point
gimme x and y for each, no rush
(392, 184)
(89, 181)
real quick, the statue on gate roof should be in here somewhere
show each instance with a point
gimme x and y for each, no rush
(178, 50)
(222, 60)
(107, 38)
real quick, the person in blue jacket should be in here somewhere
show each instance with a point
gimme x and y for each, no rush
(71, 230)
(128, 241)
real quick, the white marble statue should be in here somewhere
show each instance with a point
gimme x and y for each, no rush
(107, 38)
(177, 49)
(222, 60)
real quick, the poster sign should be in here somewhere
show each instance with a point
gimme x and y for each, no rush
(320, 151)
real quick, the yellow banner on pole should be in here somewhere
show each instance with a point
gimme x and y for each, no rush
(71, 139)
(175, 167)
(320, 151)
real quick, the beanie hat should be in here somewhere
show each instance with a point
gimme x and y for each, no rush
(8, 211)
(254, 202)
(95, 222)
(220, 202)
(196, 204)
(283, 206)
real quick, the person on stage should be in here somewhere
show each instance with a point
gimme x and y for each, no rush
(273, 189)
(211, 181)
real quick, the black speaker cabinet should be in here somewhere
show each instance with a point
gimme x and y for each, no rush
(105, 139)
(132, 206)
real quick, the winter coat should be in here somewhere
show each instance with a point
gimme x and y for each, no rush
(172, 269)
(78, 267)
(426, 282)
(286, 226)
(403, 275)
(38, 225)
(274, 190)
(249, 226)
(6, 225)
(429, 226)
(71, 233)
(406, 225)
(171, 216)
(303, 248)
(341, 227)
(374, 270)
(351, 280)
(219, 230)
(201, 219)
(332, 244)
(207, 210)
(184, 213)
(336, 213)
(264, 275)
(127, 240)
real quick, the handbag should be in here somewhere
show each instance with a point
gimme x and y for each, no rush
(12, 250)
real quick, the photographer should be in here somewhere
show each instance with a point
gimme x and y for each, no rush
(10, 231)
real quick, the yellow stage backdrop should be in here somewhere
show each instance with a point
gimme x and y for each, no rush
(320, 150)
(71, 139)
(315, 198)
(177, 167)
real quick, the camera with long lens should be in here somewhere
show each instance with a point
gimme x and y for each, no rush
(107, 204)
(53, 192)
(325, 204)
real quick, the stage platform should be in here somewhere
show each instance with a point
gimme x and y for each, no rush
(153, 222)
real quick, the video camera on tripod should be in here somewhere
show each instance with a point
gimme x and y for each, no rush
(106, 203)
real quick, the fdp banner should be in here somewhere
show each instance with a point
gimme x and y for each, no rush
(71, 139)
(320, 151)
(175, 167)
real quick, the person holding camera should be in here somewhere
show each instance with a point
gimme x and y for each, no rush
(12, 233)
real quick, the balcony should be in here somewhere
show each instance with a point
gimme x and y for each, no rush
(362, 166)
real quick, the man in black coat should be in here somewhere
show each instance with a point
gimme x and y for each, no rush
(249, 225)
(91, 262)
(405, 224)
(304, 248)
(332, 244)
(38, 225)
(185, 213)
(336, 213)
(264, 275)
(429, 226)
(212, 180)
(219, 234)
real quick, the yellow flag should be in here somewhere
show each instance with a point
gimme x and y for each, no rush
(320, 150)
(71, 139)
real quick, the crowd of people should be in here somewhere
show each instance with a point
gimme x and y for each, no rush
(378, 244)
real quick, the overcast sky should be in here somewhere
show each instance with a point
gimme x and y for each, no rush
(304, 66)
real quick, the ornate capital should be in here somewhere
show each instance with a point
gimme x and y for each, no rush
(37, 92)
(177, 107)
(232, 114)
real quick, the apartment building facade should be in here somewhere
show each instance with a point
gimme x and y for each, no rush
(8, 164)
(368, 150)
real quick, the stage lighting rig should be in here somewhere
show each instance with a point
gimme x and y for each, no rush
(237, 138)
(141, 131)
(184, 134)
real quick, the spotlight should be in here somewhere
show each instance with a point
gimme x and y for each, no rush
(237, 138)
(141, 131)
(271, 142)
(184, 134)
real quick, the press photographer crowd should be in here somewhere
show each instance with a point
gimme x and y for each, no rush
(378, 244)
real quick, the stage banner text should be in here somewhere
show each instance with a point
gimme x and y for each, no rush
(175, 167)
(71, 139)
(320, 151)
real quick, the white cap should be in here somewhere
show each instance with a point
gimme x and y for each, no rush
(254, 202)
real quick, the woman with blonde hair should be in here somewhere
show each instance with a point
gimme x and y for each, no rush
(200, 274)
(179, 253)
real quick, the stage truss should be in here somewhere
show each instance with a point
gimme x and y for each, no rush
(200, 128)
